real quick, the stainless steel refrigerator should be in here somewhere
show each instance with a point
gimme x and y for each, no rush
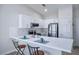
(53, 30)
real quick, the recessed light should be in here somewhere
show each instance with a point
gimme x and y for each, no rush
(45, 10)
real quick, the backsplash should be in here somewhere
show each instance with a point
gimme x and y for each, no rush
(24, 31)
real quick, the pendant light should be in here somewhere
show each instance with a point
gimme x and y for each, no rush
(45, 9)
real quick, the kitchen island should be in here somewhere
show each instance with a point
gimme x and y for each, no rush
(51, 44)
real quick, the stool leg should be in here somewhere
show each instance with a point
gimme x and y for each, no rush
(19, 52)
(22, 51)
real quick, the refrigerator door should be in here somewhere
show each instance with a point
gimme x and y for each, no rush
(53, 29)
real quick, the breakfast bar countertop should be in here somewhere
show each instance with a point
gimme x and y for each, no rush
(61, 44)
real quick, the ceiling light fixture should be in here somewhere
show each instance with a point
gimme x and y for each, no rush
(43, 5)
(45, 9)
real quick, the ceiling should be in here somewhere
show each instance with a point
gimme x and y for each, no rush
(52, 9)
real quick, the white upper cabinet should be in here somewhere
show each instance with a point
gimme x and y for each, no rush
(25, 21)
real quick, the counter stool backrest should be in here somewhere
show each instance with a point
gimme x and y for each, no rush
(32, 49)
(15, 43)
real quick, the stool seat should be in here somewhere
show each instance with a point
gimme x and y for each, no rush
(19, 47)
(22, 46)
(38, 52)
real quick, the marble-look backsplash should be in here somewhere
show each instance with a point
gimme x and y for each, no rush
(24, 31)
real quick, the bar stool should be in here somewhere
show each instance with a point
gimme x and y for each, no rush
(19, 47)
(35, 50)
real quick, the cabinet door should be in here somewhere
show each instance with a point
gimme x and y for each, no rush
(65, 22)
(25, 21)
(65, 29)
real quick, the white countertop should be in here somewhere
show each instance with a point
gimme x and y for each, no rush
(61, 44)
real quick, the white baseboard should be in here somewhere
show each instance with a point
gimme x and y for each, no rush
(8, 52)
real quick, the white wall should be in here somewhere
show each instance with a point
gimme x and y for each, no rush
(9, 18)
(76, 24)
